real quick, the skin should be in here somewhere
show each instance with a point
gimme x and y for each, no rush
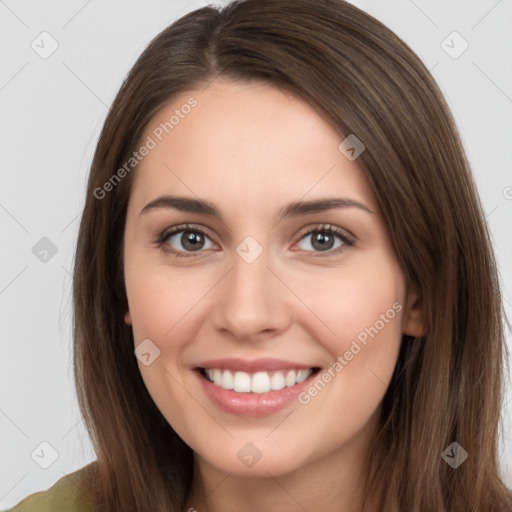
(250, 149)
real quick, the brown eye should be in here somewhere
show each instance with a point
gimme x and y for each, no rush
(329, 240)
(182, 240)
(190, 240)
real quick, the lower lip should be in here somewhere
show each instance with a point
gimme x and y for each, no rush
(252, 404)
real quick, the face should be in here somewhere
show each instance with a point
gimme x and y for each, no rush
(248, 291)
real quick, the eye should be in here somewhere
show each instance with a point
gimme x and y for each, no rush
(190, 238)
(323, 240)
(185, 240)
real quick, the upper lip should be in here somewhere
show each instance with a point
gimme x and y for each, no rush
(255, 365)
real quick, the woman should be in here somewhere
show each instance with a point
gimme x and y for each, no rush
(284, 288)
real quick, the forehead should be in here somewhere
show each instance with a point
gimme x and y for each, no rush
(246, 141)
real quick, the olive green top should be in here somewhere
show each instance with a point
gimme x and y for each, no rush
(65, 495)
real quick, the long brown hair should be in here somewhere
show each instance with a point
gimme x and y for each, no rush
(447, 385)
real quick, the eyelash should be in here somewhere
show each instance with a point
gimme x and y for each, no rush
(324, 228)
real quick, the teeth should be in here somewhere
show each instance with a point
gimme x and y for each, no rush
(289, 380)
(277, 381)
(241, 382)
(217, 377)
(302, 375)
(259, 382)
(227, 380)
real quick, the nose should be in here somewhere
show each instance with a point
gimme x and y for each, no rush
(252, 302)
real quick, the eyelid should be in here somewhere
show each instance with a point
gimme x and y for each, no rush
(344, 233)
(347, 238)
(168, 232)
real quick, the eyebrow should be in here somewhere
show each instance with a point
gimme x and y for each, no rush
(294, 209)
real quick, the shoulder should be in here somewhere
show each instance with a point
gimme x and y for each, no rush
(68, 494)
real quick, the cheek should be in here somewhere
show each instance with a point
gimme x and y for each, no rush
(161, 301)
(358, 303)
(365, 312)
(162, 311)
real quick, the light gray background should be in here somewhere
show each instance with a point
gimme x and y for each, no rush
(51, 115)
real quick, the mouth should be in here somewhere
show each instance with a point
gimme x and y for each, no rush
(253, 388)
(259, 382)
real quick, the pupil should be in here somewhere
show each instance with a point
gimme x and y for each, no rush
(323, 241)
(191, 240)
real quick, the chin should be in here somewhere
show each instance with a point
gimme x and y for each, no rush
(245, 459)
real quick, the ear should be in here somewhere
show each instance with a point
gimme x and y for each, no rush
(414, 316)
(128, 318)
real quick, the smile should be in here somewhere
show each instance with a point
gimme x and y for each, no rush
(258, 382)
(253, 388)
